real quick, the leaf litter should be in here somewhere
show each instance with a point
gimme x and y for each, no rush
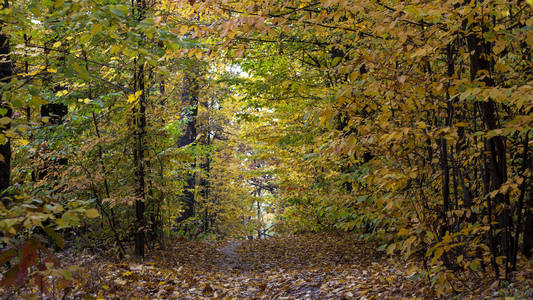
(308, 266)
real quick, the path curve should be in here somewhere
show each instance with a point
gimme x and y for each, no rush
(230, 258)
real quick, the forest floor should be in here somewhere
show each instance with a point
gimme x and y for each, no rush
(299, 267)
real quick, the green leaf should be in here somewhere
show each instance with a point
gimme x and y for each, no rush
(36, 101)
(55, 236)
(84, 74)
(36, 7)
(66, 274)
(120, 10)
(474, 265)
(6, 255)
(336, 61)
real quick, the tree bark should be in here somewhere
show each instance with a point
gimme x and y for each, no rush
(6, 71)
(481, 65)
(189, 99)
(138, 156)
(140, 192)
(528, 224)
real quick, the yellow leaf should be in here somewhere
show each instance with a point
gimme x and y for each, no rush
(96, 28)
(403, 232)
(92, 213)
(131, 98)
(58, 3)
(5, 120)
(438, 254)
(115, 49)
(128, 273)
(391, 248)
(459, 259)
(61, 93)
(413, 270)
(498, 47)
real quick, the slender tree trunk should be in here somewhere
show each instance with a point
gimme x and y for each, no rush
(480, 64)
(140, 192)
(204, 185)
(259, 215)
(140, 132)
(6, 71)
(445, 183)
(523, 191)
(527, 247)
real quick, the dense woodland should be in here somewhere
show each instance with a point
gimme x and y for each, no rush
(131, 128)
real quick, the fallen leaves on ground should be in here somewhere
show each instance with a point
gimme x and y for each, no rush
(301, 267)
(298, 267)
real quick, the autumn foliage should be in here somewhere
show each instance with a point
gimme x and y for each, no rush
(404, 126)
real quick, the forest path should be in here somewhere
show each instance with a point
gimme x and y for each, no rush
(230, 260)
(298, 267)
(309, 266)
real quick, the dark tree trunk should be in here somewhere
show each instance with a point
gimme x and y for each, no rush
(204, 185)
(189, 99)
(6, 71)
(481, 65)
(140, 132)
(139, 115)
(445, 181)
(523, 190)
(528, 224)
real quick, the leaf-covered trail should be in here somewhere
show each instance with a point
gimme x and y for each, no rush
(230, 259)
(302, 267)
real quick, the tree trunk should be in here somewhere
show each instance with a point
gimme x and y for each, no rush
(139, 116)
(140, 131)
(6, 71)
(204, 185)
(481, 65)
(189, 99)
(528, 224)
